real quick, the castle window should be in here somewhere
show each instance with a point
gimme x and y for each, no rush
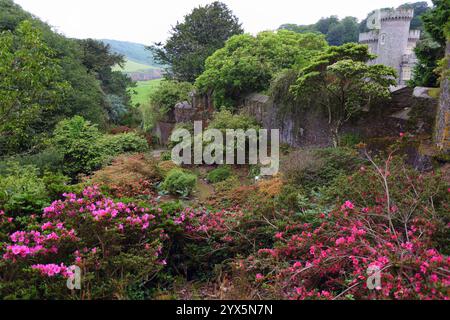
(383, 39)
(406, 73)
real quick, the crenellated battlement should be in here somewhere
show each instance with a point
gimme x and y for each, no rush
(368, 37)
(398, 14)
(392, 41)
(414, 35)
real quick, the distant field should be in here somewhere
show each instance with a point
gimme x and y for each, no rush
(143, 91)
(131, 66)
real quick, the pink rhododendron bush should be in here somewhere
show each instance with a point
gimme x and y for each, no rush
(389, 242)
(378, 233)
(336, 259)
(115, 245)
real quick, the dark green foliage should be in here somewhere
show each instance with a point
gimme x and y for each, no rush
(220, 174)
(167, 95)
(31, 88)
(85, 149)
(432, 48)
(124, 143)
(337, 31)
(179, 182)
(437, 21)
(99, 61)
(201, 33)
(428, 52)
(318, 168)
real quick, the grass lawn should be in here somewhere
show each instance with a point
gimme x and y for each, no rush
(143, 91)
(131, 66)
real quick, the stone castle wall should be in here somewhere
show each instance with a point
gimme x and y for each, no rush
(442, 134)
(308, 127)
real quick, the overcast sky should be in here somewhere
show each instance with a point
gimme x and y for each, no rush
(148, 21)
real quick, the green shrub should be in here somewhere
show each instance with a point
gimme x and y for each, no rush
(48, 159)
(79, 143)
(85, 149)
(166, 156)
(22, 191)
(179, 182)
(172, 207)
(316, 168)
(220, 174)
(224, 119)
(125, 143)
(349, 140)
(56, 184)
(168, 94)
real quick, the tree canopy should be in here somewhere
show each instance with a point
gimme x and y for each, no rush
(31, 86)
(336, 31)
(92, 90)
(340, 81)
(248, 63)
(431, 49)
(202, 32)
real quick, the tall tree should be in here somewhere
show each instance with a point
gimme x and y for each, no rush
(341, 82)
(249, 63)
(337, 31)
(201, 33)
(99, 60)
(432, 47)
(31, 87)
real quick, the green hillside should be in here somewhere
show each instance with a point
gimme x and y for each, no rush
(132, 51)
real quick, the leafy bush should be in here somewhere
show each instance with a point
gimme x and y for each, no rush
(224, 120)
(128, 176)
(172, 207)
(166, 166)
(125, 143)
(168, 94)
(116, 245)
(56, 184)
(349, 140)
(219, 174)
(247, 63)
(22, 191)
(78, 142)
(48, 159)
(85, 149)
(317, 168)
(166, 156)
(179, 182)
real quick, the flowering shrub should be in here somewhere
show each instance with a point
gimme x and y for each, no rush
(332, 261)
(116, 245)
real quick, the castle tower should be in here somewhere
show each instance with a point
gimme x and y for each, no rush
(393, 41)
